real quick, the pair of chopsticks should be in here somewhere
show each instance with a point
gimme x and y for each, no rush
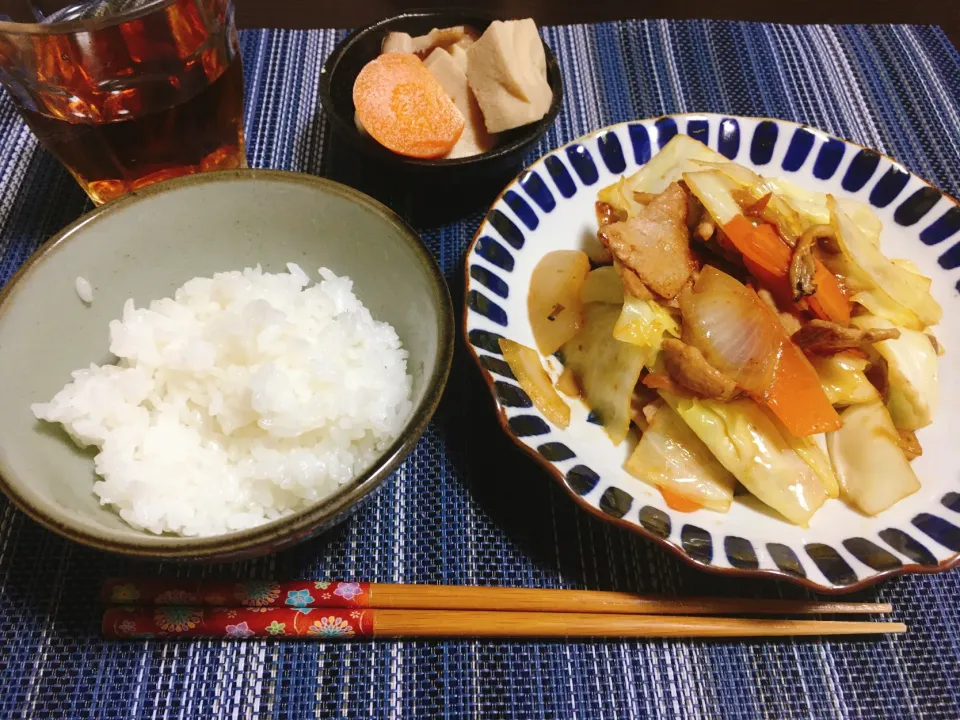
(336, 610)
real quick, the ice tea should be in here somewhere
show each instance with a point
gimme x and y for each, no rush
(156, 95)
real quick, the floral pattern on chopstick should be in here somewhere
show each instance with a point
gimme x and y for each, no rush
(235, 623)
(248, 594)
(240, 630)
(176, 619)
(331, 627)
(126, 592)
(348, 590)
(257, 594)
(299, 598)
(176, 596)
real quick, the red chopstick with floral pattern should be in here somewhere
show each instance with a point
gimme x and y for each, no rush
(233, 593)
(336, 609)
(171, 622)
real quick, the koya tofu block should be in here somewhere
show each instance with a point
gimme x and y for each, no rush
(507, 70)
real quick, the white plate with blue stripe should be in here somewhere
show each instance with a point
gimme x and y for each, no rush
(550, 206)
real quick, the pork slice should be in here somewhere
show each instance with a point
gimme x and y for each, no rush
(656, 243)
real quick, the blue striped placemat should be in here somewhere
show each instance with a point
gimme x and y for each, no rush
(469, 508)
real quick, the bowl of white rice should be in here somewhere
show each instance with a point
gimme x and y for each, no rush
(218, 366)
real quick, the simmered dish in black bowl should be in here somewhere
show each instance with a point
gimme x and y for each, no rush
(353, 54)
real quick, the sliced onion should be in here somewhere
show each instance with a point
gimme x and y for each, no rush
(735, 332)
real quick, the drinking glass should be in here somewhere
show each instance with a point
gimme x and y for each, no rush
(125, 93)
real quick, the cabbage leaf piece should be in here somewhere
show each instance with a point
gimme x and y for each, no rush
(644, 323)
(606, 369)
(873, 471)
(678, 156)
(751, 444)
(843, 378)
(913, 387)
(671, 456)
(869, 269)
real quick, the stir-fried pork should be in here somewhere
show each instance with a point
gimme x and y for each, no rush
(656, 244)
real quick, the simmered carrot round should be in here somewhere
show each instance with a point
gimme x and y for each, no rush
(404, 107)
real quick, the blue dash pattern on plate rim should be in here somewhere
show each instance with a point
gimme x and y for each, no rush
(573, 169)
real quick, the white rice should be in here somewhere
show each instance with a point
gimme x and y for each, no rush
(84, 289)
(241, 400)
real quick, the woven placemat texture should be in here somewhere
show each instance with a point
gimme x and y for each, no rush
(467, 507)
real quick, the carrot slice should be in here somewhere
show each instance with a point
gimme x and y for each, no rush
(658, 381)
(764, 248)
(829, 302)
(404, 107)
(678, 502)
(796, 396)
(761, 244)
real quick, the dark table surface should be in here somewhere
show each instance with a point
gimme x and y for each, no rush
(338, 14)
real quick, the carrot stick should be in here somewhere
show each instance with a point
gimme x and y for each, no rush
(761, 244)
(796, 396)
(404, 107)
(829, 302)
(763, 248)
(778, 285)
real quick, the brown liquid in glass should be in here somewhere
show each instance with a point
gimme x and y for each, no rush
(146, 100)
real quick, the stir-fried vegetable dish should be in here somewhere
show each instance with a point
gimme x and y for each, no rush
(746, 334)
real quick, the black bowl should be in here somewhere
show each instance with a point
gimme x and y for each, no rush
(433, 178)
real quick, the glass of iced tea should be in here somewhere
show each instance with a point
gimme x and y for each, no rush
(128, 92)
